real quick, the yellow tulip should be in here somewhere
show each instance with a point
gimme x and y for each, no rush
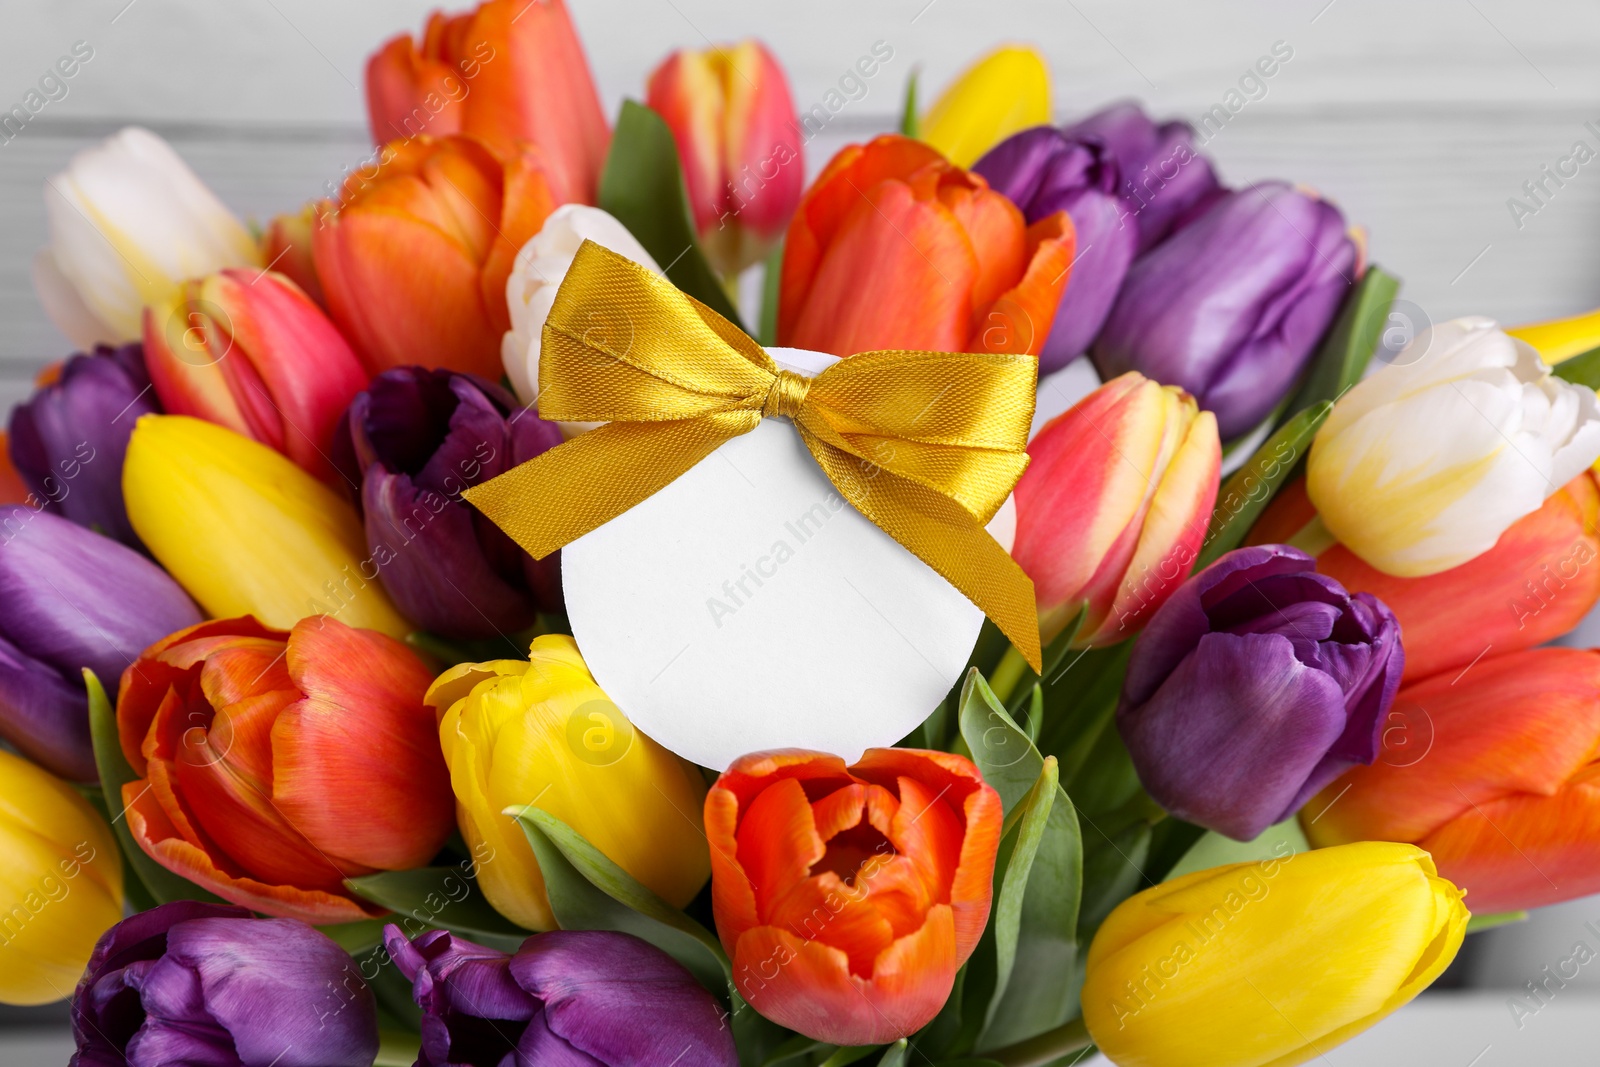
(247, 532)
(540, 733)
(60, 883)
(1271, 962)
(1561, 339)
(1005, 91)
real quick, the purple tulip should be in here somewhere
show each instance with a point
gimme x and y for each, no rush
(1165, 181)
(1232, 306)
(1256, 684)
(569, 998)
(414, 440)
(210, 986)
(1043, 171)
(71, 599)
(69, 438)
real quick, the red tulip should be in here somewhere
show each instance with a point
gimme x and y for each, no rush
(1537, 582)
(1112, 509)
(277, 764)
(414, 260)
(250, 351)
(507, 72)
(895, 247)
(732, 116)
(1497, 775)
(847, 897)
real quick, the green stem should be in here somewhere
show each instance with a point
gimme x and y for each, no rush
(1314, 538)
(730, 285)
(1007, 674)
(1045, 1048)
(396, 1048)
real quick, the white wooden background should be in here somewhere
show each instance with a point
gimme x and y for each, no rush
(1421, 118)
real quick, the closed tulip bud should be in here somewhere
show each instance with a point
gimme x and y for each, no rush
(1423, 465)
(1043, 171)
(894, 247)
(1114, 505)
(896, 853)
(73, 599)
(60, 883)
(247, 532)
(1164, 181)
(128, 221)
(414, 256)
(536, 275)
(193, 983)
(1269, 963)
(1005, 91)
(506, 72)
(1257, 683)
(1232, 306)
(303, 758)
(286, 245)
(1495, 777)
(1536, 583)
(416, 439)
(730, 112)
(556, 1001)
(248, 350)
(68, 439)
(540, 733)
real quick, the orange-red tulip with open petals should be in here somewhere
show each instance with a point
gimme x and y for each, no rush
(507, 72)
(847, 897)
(276, 764)
(893, 246)
(413, 259)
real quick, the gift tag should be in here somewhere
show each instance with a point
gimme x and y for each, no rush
(747, 606)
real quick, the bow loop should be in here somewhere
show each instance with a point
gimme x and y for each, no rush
(926, 445)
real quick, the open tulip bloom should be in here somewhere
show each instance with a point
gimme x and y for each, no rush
(307, 733)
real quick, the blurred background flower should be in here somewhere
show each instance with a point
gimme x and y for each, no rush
(1002, 92)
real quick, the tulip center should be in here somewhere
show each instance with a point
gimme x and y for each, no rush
(855, 853)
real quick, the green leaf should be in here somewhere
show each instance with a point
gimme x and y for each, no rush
(1002, 750)
(443, 897)
(849, 1054)
(1251, 488)
(1343, 356)
(588, 891)
(1489, 922)
(771, 286)
(910, 125)
(797, 1046)
(642, 185)
(1113, 870)
(1214, 850)
(895, 1055)
(159, 884)
(356, 937)
(1584, 369)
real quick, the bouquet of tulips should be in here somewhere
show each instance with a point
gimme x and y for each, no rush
(304, 764)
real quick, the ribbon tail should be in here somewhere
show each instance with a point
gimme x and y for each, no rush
(559, 495)
(946, 537)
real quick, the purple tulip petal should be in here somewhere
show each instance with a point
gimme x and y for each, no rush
(541, 1047)
(44, 716)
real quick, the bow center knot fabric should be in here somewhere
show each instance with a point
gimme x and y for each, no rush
(787, 395)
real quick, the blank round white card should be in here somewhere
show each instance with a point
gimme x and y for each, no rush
(747, 606)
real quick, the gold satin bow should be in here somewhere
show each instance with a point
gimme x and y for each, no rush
(927, 445)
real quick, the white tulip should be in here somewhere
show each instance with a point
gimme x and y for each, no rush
(129, 221)
(536, 274)
(1424, 464)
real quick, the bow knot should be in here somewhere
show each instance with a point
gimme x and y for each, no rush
(944, 433)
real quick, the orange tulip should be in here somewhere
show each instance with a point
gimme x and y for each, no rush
(276, 764)
(895, 247)
(286, 246)
(733, 119)
(13, 490)
(506, 72)
(847, 897)
(1537, 582)
(1497, 777)
(414, 260)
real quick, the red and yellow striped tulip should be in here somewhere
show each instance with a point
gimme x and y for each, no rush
(1113, 508)
(895, 247)
(250, 351)
(1537, 582)
(414, 258)
(731, 114)
(1497, 775)
(847, 897)
(507, 72)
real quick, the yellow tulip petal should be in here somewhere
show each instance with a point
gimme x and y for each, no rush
(1560, 339)
(1004, 92)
